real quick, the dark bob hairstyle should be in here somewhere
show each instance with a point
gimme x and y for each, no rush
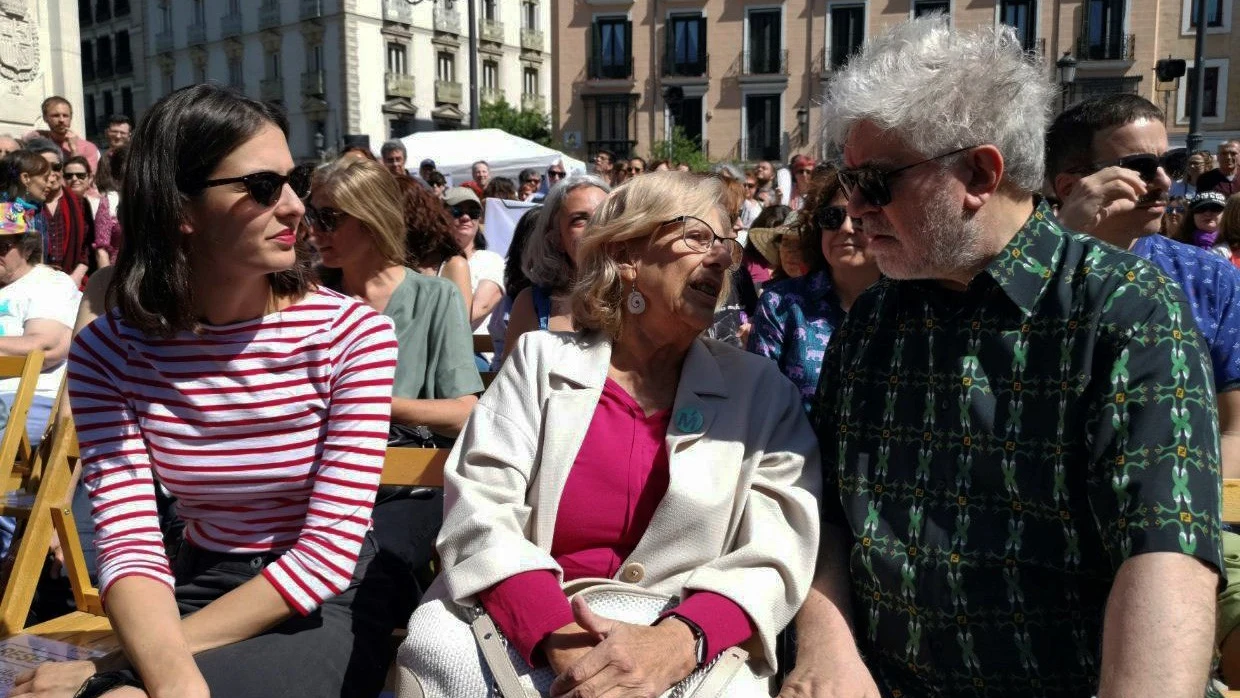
(177, 145)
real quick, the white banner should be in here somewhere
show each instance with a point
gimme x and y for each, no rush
(501, 219)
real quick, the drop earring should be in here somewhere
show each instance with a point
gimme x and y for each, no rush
(636, 302)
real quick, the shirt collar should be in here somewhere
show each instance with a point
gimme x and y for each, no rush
(1025, 267)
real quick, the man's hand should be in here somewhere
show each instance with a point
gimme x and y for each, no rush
(840, 679)
(1105, 193)
(53, 680)
(71, 142)
(630, 660)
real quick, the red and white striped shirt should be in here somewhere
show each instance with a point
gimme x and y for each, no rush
(271, 434)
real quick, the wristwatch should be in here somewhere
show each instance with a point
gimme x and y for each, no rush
(699, 638)
(103, 682)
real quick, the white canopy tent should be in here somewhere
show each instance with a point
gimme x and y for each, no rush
(454, 152)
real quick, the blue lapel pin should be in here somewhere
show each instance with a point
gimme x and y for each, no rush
(689, 420)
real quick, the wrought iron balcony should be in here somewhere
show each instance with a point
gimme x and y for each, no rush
(690, 68)
(536, 103)
(490, 95)
(230, 25)
(531, 39)
(1115, 47)
(398, 85)
(447, 92)
(610, 67)
(764, 62)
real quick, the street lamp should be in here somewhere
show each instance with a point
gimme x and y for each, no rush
(803, 124)
(473, 56)
(1067, 75)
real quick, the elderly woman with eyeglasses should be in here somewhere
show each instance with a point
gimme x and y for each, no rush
(796, 316)
(631, 450)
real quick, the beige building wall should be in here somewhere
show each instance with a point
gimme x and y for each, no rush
(1120, 56)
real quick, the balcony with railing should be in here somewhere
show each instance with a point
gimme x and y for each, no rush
(1113, 47)
(490, 95)
(311, 9)
(163, 41)
(397, 11)
(537, 103)
(398, 85)
(685, 66)
(447, 20)
(1037, 48)
(269, 15)
(610, 67)
(531, 39)
(313, 83)
(271, 89)
(491, 30)
(447, 92)
(764, 63)
(196, 34)
(231, 25)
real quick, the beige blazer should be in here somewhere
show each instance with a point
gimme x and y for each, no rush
(740, 516)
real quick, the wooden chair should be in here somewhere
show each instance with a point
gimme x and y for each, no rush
(15, 443)
(414, 467)
(35, 507)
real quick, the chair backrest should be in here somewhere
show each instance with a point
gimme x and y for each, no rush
(30, 550)
(414, 467)
(15, 443)
(1231, 500)
(483, 344)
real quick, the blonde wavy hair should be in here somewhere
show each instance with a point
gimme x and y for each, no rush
(634, 211)
(365, 190)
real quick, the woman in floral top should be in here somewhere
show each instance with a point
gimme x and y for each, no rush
(796, 317)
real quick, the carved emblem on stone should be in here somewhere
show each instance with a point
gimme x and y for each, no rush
(19, 41)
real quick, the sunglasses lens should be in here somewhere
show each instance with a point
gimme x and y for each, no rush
(1146, 166)
(299, 180)
(831, 217)
(1175, 162)
(472, 211)
(264, 187)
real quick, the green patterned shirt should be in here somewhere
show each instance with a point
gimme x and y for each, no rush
(997, 453)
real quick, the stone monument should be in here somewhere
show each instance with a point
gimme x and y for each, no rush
(40, 56)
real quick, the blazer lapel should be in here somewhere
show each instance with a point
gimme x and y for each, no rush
(575, 390)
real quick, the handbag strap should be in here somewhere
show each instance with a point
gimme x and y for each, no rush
(495, 652)
(718, 678)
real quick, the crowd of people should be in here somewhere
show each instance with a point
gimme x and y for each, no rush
(945, 417)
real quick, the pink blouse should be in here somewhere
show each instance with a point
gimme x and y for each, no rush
(616, 483)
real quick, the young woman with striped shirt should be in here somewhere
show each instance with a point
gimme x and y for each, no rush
(258, 400)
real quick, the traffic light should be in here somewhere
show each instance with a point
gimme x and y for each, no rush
(1169, 69)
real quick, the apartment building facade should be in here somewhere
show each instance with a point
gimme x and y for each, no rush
(348, 68)
(114, 71)
(746, 78)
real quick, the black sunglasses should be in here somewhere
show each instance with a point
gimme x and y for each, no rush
(471, 210)
(265, 187)
(1174, 162)
(1175, 210)
(76, 175)
(324, 219)
(555, 174)
(56, 167)
(830, 217)
(532, 181)
(874, 184)
(8, 242)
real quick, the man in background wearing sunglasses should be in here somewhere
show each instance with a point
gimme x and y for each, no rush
(1222, 179)
(1102, 163)
(1013, 422)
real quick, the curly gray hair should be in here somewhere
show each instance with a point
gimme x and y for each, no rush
(939, 89)
(544, 260)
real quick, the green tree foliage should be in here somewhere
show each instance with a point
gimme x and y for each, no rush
(531, 125)
(680, 148)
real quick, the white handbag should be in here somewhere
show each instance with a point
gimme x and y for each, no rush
(456, 652)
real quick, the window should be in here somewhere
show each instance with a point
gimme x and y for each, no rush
(765, 43)
(1022, 16)
(847, 33)
(400, 127)
(92, 116)
(120, 8)
(272, 65)
(397, 59)
(103, 57)
(200, 72)
(234, 7)
(124, 59)
(85, 15)
(687, 116)
(611, 124)
(762, 133)
(529, 15)
(169, 81)
(236, 71)
(926, 7)
(1214, 13)
(490, 76)
(686, 45)
(165, 18)
(200, 12)
(88, 63)
(314, 58)
(1088, 88)
(1209, 98)
(127, 102)
(529, 83)
(490, 12)
(1103, 37)
(103, 10)
(445, 69)
(610, 50)
(109, 106)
